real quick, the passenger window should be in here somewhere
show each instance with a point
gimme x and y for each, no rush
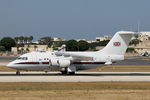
(19, 58)
(22, 58)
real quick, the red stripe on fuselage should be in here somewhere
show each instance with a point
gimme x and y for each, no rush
(29, 63)
(33, 63)
(45, 62)
(88, 62)
(73, 63)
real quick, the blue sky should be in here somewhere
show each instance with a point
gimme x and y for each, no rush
(72, 19)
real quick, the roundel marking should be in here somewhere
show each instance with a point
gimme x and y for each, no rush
(117, 44)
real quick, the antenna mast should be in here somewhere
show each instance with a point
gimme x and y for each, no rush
(138, 26)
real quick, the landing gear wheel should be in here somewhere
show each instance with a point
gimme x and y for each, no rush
(17, 72)
(71, 73)
(64, 72)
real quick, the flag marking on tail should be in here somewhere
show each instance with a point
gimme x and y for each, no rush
(117, 44)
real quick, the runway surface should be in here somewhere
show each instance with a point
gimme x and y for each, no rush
(79, 77)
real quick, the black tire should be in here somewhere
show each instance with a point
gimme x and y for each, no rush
(64, 72)
(17, 72)
(71, 73)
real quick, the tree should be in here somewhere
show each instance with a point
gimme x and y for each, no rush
(25, 40)
(72, 45)
(100, 43)
(46, 41)
(135, 42)
(17, 39)
(7, 42)
(83, 45)
(131, 50)
(2, 48)
(21, 38)
(30, 39)
(136, 36)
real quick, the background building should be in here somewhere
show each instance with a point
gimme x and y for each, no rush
(104, 38)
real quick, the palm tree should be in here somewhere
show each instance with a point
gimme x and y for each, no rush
(16, 39)
(25, 40)
(30, 39)
(21, 38)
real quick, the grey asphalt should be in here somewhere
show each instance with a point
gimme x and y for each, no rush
(135, 60)
(7, 58)
(79, 77)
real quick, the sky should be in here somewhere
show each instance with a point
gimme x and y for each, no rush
(72, 19)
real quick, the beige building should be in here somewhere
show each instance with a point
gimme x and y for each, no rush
(106, 37)
(57, 39)
(144, 36)
(30, 48)
(143, 46)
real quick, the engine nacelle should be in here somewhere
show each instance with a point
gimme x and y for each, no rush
(60, 63)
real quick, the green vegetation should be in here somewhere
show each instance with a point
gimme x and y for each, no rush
(2, 49)
(7, 43)
(83, 45)
(130, 50)
(46, 41)
(100, 43)
(72, 45)
(135, 42)
(23, 39)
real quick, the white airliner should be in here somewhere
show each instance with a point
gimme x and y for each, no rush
(70, 62)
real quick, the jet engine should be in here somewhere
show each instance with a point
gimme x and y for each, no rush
(60, 63)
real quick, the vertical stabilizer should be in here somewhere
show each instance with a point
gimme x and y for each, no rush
(118, 44)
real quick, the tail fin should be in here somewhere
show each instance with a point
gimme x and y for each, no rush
(118, 44)
(62, 48)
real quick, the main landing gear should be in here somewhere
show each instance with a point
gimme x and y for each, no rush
(71, 73)
(17, 72)
(64, 72)
(68, 70)
(67, 73)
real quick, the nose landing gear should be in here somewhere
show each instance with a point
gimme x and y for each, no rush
(17, 72)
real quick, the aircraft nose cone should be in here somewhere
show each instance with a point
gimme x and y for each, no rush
(9, 65)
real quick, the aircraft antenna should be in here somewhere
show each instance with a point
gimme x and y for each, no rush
(138, 31)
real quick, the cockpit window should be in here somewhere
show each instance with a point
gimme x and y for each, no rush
(22, 58)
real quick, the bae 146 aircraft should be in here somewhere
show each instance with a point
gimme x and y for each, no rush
(70, 62)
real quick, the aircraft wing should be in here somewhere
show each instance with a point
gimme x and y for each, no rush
(75, 55)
